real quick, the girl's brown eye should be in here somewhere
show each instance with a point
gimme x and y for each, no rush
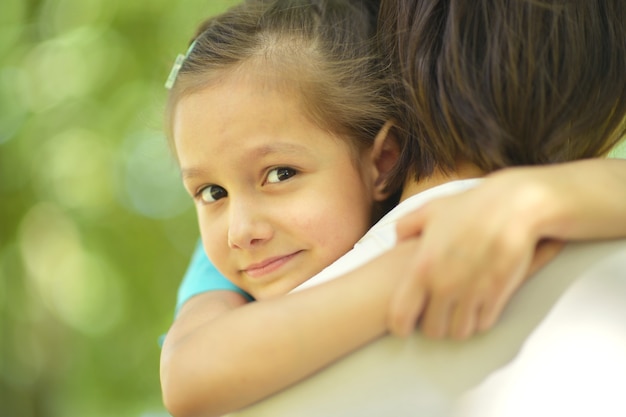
(280, 174)
(212, 193)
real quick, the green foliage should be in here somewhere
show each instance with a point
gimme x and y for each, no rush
(620, 150)
(95, 229)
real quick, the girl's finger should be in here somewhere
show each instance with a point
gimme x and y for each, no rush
(491, 311)
(546, 251)
(464, 318)
(495, 302)
(436, 317)
(406, 307)
(412, 224)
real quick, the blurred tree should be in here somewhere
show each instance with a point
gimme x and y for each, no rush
(95, 229)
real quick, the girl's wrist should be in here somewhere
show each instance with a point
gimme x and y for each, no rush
(536, 209)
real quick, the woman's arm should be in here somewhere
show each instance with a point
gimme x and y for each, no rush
(479, 246)
(210, 366)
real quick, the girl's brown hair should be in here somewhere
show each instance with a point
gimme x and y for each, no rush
(323, 51)
(507, 82)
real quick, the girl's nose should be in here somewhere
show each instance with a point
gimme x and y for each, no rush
(248, 226)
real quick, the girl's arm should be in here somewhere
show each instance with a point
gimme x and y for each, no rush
(218, 361)
(479, 246)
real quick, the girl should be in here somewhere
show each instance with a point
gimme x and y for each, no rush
(283, 175)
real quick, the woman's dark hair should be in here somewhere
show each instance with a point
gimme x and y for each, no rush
(506, 82)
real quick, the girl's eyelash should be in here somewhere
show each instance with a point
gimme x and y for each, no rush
(215, 193)
(273, 175)
(280, 171)
(198, 192)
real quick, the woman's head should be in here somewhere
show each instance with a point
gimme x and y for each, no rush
(279, 117)
(508, 82)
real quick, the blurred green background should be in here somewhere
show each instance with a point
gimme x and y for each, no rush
(95, 229)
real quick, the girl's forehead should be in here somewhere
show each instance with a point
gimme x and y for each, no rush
(234, 103)
(259, 78)
(237, 122)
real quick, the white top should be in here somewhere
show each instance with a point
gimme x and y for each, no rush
(559, 349)
(382, 236)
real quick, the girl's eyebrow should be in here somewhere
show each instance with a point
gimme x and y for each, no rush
(191, 173)
(282, 148)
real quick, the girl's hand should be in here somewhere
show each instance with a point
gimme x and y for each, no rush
(476, 249)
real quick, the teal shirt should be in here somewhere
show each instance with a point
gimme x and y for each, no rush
(201, 276)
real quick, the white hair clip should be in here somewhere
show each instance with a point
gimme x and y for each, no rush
(178, 63)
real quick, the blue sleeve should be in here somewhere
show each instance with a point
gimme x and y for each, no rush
(201, 276)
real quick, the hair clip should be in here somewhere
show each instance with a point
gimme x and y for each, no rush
(178, 63)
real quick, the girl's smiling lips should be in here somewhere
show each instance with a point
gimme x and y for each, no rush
(269, 265)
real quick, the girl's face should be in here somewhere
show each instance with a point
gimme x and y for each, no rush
(278, 199)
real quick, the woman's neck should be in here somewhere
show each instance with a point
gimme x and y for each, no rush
(463, 171)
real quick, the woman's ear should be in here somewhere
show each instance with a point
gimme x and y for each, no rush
(385, 154)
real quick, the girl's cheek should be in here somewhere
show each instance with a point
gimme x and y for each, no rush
(212, 234)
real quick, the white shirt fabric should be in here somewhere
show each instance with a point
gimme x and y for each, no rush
(559, 349)
(382, 236)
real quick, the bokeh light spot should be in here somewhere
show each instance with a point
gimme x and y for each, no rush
(59, 16)
(151, 183)
(74, 284)
(68, 67)
(12, 110)
(74, 168)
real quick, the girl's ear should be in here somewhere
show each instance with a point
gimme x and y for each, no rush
(385, 154)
